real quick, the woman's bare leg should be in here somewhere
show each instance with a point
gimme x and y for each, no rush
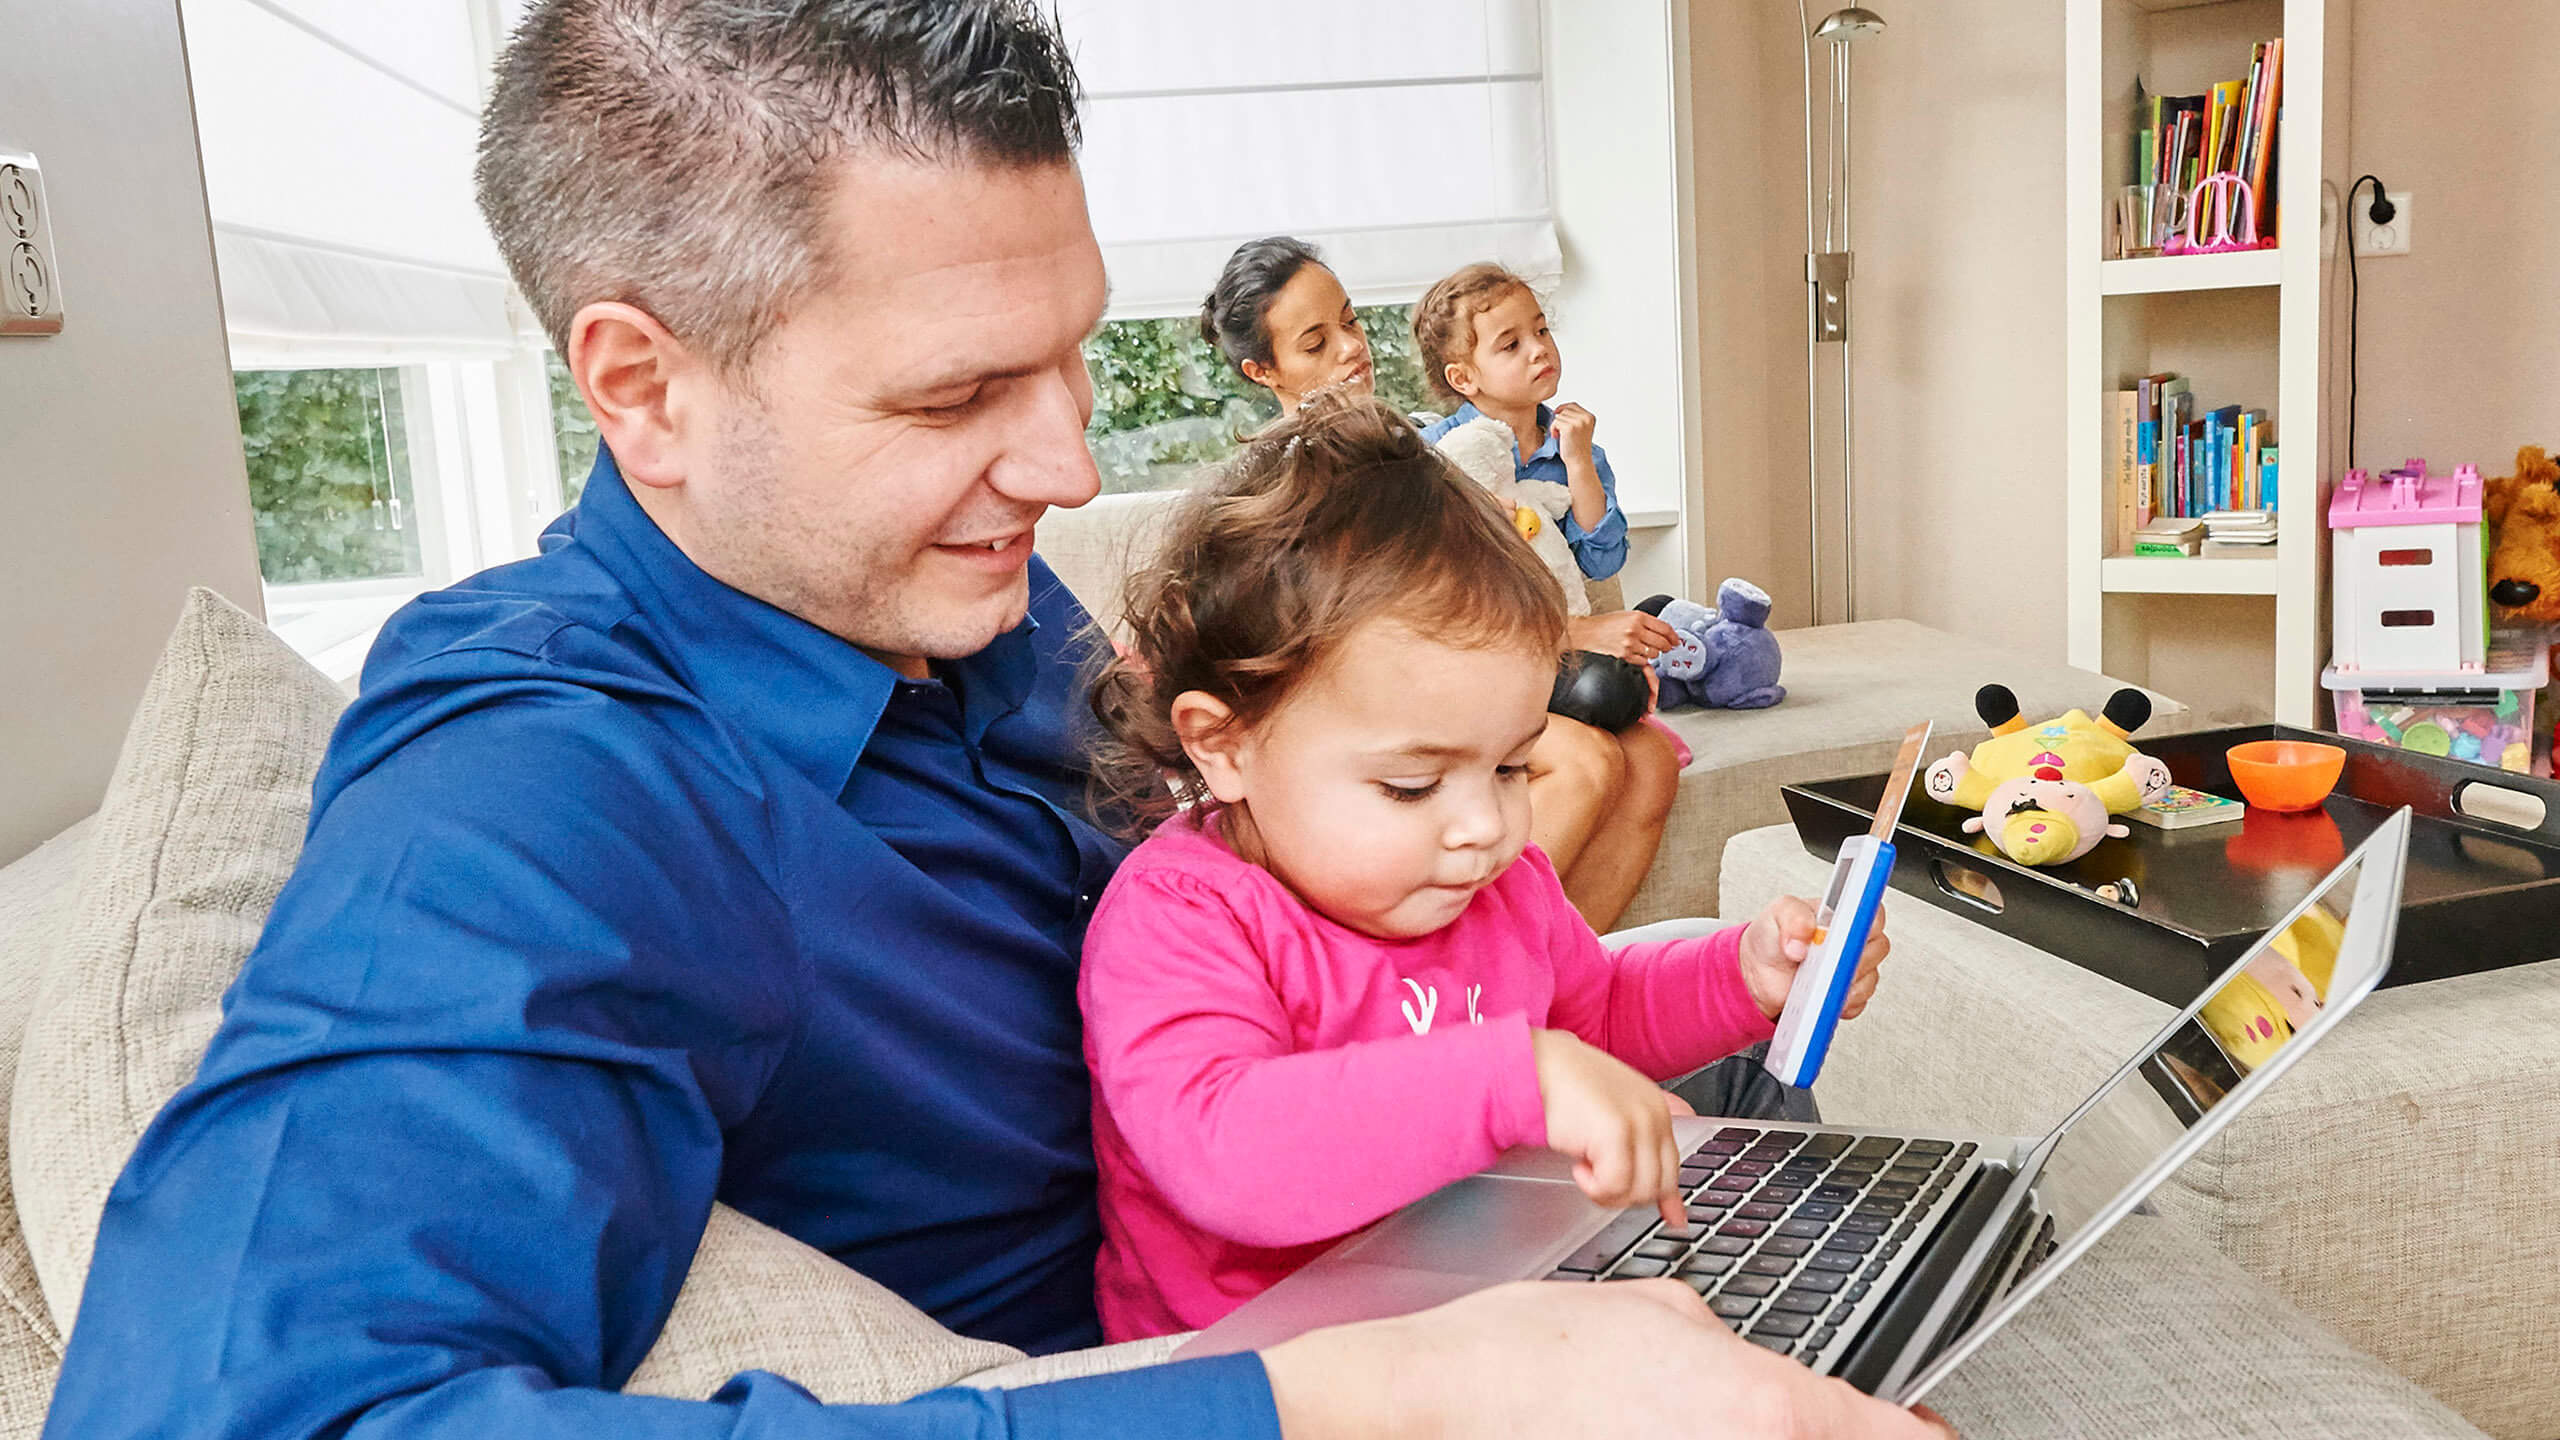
(1613, 861)
(1575, 771)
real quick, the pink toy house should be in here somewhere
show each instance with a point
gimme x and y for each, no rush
(2410, 571)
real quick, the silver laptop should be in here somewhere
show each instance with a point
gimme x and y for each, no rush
(1885, 1259)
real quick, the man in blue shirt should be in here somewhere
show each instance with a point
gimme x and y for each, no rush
(732, 849)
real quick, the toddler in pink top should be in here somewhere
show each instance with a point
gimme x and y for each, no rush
(1337, 977)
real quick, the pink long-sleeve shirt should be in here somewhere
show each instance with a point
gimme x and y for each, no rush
(1267, 1081)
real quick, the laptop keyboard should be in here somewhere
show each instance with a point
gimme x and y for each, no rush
(1793, 1236)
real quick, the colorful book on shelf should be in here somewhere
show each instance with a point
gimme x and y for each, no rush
(2230, 129)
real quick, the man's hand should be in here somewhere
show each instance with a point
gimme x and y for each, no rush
(1631, 635)
(1615, 1124)
(1634, 1360)
(1572, 426)
(1773, 949)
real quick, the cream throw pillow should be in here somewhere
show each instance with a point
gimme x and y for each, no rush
(201, 824)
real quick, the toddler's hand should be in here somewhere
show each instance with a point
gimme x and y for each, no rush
(1573, 426)
(1613, 1121)
(1773, 949)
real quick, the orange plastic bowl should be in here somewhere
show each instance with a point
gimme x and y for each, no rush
(2286, 774)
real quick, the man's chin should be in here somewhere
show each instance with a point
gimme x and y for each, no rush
(962, 627)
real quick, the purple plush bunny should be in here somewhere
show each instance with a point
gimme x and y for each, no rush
(1724, 661)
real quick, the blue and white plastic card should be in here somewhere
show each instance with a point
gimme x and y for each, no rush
(1845, 918)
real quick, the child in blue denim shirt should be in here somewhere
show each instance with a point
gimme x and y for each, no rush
(1482, 339)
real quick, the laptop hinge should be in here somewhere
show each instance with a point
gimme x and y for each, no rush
(1870, 1358)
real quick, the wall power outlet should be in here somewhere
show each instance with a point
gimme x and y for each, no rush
(30, 289)
(2386, 239)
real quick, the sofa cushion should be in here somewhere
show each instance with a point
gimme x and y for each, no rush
(202, 819)
(1851, 692)
(35, 894)
(756, 1299)
(202, 822)
(2153, 1334)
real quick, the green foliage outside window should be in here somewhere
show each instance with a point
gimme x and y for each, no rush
(573, 428)
(329, 487)
(1167, 405)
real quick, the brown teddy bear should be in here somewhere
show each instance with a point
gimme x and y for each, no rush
(2523, 510)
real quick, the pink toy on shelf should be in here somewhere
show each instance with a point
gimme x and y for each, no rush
(2232, 207)
(2410, 583)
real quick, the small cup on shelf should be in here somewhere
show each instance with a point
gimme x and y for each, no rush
(2146, 216)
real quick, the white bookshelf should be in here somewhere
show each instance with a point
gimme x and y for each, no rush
(2236, 636)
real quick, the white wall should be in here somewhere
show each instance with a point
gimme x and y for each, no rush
(120, 473)
(1616, 104)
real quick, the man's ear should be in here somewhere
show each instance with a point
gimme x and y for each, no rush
(1461, 377)
(1214, 742)
(644, 386)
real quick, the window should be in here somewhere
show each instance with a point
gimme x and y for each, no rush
(573, 428)
(329, 479)
(1405, 140)
(1167, 405)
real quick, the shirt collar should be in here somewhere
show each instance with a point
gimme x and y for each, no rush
(813, 697)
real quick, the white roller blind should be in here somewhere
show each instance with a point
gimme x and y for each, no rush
(338, 138)
(1404, 137)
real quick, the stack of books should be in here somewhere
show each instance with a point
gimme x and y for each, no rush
(2169, 537)
(2178, 140)
(2167, 460)
(2240, 533)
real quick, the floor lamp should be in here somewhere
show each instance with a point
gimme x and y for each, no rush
(1826, 295)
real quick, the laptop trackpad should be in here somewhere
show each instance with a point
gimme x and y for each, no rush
(1491, 1227)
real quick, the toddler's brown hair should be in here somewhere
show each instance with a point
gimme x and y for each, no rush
(1338, 515)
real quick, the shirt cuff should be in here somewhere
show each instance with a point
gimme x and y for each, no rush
(1227, 1396)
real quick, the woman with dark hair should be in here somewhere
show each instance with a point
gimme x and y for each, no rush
(1598, 798)
(1284, 321)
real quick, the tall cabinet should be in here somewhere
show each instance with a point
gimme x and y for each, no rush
(2236, 638)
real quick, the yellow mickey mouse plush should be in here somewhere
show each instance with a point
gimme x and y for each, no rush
(2046, 791)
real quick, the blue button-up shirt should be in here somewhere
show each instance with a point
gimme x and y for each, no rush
(624, 893)
(1601, 551)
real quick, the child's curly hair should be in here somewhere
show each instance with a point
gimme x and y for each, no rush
(1444, 319)
(1335, 516)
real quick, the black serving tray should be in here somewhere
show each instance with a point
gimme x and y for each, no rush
(2479, 894)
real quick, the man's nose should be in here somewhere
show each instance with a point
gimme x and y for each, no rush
(1046, 461)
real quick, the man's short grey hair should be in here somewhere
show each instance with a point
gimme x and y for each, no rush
(673, 154)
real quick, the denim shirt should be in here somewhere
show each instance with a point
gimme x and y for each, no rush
(1601, 551)
(624, 893)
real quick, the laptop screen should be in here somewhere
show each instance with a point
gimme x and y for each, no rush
(2248, 1016)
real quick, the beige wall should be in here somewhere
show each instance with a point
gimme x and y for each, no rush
(1957, 325)
(2461, 336)
(120, 470)
(1959, 295)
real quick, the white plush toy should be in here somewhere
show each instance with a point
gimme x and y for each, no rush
(1482, 448)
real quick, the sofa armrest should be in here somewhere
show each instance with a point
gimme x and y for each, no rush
(2395, 1186)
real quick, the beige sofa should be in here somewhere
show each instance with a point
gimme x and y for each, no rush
(2397, 1185)
(117, 938)
(1851, 692)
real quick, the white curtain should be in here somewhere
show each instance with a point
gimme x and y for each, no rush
(338, 138)
(1403, 137)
